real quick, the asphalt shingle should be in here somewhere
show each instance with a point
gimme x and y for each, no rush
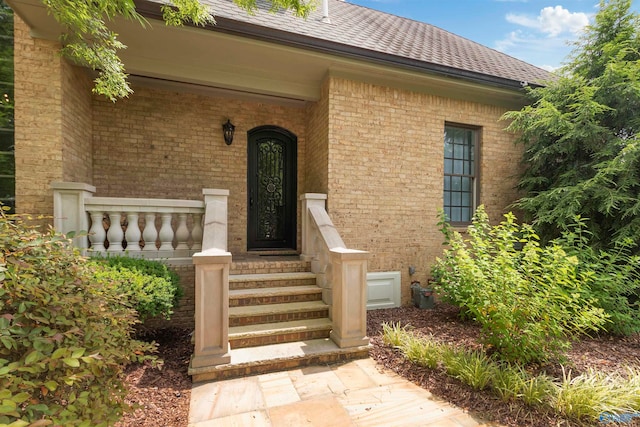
(354, 26)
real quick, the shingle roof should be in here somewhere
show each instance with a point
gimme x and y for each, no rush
(380, 34)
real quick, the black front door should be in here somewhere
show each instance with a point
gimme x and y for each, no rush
(271, 181)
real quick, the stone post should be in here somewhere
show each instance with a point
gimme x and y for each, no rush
(215, 219)
(309, 200)
(349, 310)
(212, 288)
(211, 311)
(69, 213)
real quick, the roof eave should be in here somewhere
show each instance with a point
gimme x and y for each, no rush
(151, 9)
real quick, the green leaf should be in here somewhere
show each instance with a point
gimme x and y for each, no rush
(20, 397)
(32, 357)
(51, 385)
(74, 363)
(60, 352)
(7, 406)
(77, 353)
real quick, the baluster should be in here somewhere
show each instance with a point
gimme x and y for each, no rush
(132, 235)
(182, 233)
(115, 233)
(166, 233)
(97, 233)
(150, 233)
(196, 233)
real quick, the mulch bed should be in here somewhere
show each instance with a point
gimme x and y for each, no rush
(163, 395)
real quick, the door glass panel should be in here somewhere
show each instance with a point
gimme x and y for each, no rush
(271, 190)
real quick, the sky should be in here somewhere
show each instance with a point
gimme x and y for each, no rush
(539, 32)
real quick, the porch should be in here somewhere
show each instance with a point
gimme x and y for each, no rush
(253, 314)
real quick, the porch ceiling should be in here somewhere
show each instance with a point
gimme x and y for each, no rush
(212, 58)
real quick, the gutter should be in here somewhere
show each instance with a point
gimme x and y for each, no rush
(151, 10)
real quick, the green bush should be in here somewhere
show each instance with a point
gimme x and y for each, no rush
(65, 333)
(611, 276)
(529, 300)
(152, 287)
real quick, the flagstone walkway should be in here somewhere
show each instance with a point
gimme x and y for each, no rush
(357, 393)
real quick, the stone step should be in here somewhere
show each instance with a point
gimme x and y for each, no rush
(273, 333)
(270, 313)
(265, 265)
(265, 280)
(276, 295)
(278, 357)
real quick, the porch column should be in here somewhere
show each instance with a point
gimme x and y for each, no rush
(309, 200)
(69, 213)
(349, 310)
(215, 219)
(211, 311)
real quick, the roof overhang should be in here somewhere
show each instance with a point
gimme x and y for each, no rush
(256, 60)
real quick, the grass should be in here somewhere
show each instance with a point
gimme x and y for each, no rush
(586, 397)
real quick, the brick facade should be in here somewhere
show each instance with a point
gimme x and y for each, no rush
(386, 167)
(376, 151)
(53, 121)
(164, 144)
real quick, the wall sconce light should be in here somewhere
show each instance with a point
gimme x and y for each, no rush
(228, 129)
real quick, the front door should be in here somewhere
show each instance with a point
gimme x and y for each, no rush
(271, 192)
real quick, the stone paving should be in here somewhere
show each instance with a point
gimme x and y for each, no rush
(357, 393)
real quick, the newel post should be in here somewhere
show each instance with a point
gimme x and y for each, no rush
(69, 213)
(349, 311)
(211, 311)
(309, 200)
(215, 219)
(212, 289)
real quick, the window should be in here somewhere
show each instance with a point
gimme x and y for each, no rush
(460, 173)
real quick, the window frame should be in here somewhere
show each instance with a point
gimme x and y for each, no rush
(476, 132)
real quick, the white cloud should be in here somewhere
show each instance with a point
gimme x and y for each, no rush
(552, 21)
(545, 52)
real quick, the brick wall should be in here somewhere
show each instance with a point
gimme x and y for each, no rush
(376, 151)
(38, 139)
(165, 144)
(53, 121)
(317, 161)
(386, 167)
(76, 124)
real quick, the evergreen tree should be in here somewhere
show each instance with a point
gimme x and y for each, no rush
(580, 135)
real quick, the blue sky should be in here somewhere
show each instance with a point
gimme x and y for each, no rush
(536, 31)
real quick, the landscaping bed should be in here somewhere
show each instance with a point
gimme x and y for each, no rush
(163, 395)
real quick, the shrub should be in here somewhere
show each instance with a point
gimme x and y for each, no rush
(65, 335)
(528, 299)
(152, 287)
(612, 277)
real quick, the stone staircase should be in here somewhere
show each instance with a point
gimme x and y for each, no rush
(277, 319)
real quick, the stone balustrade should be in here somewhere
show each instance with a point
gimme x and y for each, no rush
(340, 272)
(149, 228)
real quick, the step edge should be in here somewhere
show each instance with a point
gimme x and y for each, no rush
(320, 324)
(275, 291)
(270, 277)
(235, 312)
